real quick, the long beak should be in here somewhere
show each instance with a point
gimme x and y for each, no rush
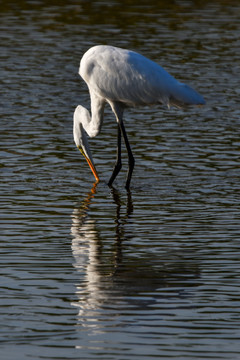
(92, 167)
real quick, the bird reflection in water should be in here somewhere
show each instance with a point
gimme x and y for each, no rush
(96, 285)
(122, 278)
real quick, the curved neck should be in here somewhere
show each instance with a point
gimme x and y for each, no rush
(92, 125)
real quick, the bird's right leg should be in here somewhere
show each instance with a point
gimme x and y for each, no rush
(118, 164)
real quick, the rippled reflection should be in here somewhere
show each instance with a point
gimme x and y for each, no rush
(119, 280)
(97, 285)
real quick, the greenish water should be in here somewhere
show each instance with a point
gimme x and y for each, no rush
(96, 273)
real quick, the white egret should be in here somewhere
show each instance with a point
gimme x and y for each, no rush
(123, 78)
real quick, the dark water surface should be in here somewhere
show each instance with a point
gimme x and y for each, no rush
(89, 272)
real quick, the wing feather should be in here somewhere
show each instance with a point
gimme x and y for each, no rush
(121, 75)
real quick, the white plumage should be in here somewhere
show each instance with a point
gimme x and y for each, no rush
(123, 78)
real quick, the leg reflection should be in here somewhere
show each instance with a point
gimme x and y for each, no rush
(120, 223)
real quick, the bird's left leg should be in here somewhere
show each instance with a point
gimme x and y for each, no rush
(118, 164)
(131, 160)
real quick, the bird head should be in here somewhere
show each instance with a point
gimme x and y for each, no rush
(81, 118)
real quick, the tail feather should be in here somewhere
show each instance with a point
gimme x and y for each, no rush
(185, 95)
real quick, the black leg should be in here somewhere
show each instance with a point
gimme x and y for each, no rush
(131, 160)
(118, 164)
